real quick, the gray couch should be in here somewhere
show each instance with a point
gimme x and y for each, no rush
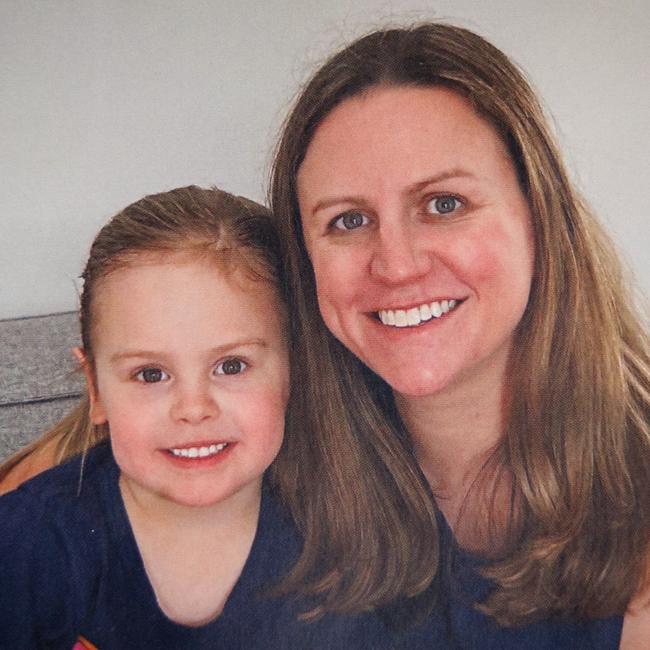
(38, 382)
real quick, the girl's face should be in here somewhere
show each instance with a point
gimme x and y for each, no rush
(419, 235)
(192, 377)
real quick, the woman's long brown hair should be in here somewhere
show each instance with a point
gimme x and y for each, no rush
(577, 440)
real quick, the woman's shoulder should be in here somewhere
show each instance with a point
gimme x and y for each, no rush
(636, 624)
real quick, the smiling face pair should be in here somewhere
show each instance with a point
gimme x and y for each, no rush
(190, 371)
(419, 235)
(421, 244)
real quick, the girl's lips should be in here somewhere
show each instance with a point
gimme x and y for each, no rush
(198, 451)
(204, 455)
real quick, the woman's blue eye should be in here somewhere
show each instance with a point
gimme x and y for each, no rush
(231, 367)
(350, 221)
(152, 375)
(443, 204)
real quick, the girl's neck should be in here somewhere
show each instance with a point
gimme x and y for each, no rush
(159, 512)
(193, 556)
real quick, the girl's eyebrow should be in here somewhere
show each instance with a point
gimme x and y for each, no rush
(126, 355)
(455, 172)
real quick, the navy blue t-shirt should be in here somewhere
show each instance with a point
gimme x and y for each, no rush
(70, 567)
(455, 623)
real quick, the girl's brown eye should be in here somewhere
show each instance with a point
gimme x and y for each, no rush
(350, 221)
(443, 204)
(231, 367)
(152, 375)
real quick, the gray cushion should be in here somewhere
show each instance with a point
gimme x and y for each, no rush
(38, 382)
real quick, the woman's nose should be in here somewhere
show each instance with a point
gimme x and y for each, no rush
(194, 404)
(398, 256)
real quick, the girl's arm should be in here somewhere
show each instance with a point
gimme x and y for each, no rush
(41, 457)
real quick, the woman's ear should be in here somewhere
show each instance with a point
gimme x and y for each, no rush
(97, 412)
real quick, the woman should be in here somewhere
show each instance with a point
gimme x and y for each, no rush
(453, 294)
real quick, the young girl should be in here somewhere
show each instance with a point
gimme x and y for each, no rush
(165, 534)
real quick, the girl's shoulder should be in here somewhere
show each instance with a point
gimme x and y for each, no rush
(49, 548)
(58, 506)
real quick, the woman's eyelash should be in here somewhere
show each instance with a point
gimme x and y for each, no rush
(151, 375)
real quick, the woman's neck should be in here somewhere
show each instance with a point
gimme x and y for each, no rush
(454, 434)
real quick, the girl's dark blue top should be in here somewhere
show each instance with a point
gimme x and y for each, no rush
(70, 567)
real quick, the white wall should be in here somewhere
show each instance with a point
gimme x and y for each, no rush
(105, 101)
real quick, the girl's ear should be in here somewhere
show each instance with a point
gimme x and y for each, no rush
(97, 412)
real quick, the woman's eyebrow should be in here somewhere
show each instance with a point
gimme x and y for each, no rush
(328, 202)
(456, 172)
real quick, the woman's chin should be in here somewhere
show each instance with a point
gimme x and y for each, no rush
(415, 381)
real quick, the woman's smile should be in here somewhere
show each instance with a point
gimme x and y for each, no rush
(415, 316)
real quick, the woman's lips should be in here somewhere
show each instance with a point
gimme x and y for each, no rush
(414, 316)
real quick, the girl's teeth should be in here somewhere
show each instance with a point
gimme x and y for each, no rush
(416, 315)
(199, 452)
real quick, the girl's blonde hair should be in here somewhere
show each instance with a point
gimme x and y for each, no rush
(190, 220)
(577, 441)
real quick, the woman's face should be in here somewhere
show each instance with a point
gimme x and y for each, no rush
(419, 236)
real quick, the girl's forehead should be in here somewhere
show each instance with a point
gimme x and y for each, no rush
(186, 298)
(164, 280)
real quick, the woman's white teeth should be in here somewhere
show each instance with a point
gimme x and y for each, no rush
(413, 316)
(416, 315)
(199, 452)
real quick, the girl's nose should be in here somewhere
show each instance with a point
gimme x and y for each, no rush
(194, 404)
(398, 256)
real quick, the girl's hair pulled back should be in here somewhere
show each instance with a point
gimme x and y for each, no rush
(189, 221)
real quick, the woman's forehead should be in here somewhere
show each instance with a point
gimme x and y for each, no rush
(413, 132)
